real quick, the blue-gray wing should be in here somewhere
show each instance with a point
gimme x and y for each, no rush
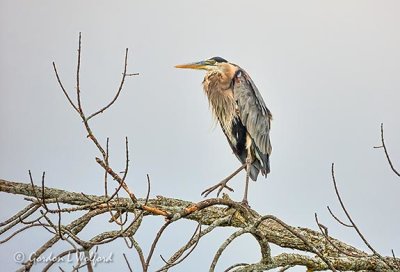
(253, 112)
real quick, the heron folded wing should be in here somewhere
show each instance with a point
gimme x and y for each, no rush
(252, 110)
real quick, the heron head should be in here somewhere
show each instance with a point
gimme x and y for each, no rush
(208, 64)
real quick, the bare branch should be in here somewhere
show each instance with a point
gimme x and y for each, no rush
(221, 249)
(63, 89)
(195, 243)
(324, 231)
(386, 152)
(124, 74)
(337, 218)
(18, 217)
(153, 245)
(331, 254)
(351, 220)
(126, 260)
(195, 240)
(234, 266)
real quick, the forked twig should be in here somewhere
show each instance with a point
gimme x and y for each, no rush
(324, 231)
(124, 74)
(351, 220)
(153, 245)
(188, 245)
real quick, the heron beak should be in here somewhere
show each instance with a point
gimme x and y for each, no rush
(201, 65)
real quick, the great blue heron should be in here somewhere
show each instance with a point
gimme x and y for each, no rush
(244, 118)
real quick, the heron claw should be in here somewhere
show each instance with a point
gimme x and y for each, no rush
(221, 185)
(245, 203)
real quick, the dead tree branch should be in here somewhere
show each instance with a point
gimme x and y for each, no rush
(47, 208)
(213, 215)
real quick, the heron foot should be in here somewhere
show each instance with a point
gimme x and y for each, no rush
(245, 203)
(220, 186)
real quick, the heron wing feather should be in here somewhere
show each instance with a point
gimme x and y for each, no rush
(252, 110)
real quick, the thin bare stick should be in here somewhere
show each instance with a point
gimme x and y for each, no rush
(126, 260)
(88, 261)
(187, 246)
(139, 252)
(298, 235)
(386, 152)
(17, 216)
(118, 92)
(117, 178)
(59, 220)
(153, 245)
(43, 198)
(107, 163)
(78, 68)
(324, 231)
(337, 218)
(234, 266)
(41, 201)
(178, 254)
(351, 220)
(53, 261)
(28, 222)
(19, 231)
(222, 248)
(63, 89)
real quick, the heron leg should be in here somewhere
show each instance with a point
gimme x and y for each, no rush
(222, 184)
(246, 188)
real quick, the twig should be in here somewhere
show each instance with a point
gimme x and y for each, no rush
(324, 231)
(196, 242)
(337, 218)
(221, 249)
(88, 261)
(126, 260)
(118, 92)
(298, 235)
(117, 178)
(139, 252)
(234, 266)
(351, 220)
(18, 215)
(107, 163)
(59, 220)
(219, 222)
(54, 260)
(78, 68)
(22, 221)
(42, 201)
(153, 245)
(19, 231)
(14, 220)
(386, 152)
(63, 89)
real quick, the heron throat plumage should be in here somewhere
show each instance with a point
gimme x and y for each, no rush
(217, 85)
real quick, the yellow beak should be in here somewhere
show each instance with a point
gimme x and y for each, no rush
(201, 65)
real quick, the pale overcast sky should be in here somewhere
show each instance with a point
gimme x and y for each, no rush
(328, 71)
